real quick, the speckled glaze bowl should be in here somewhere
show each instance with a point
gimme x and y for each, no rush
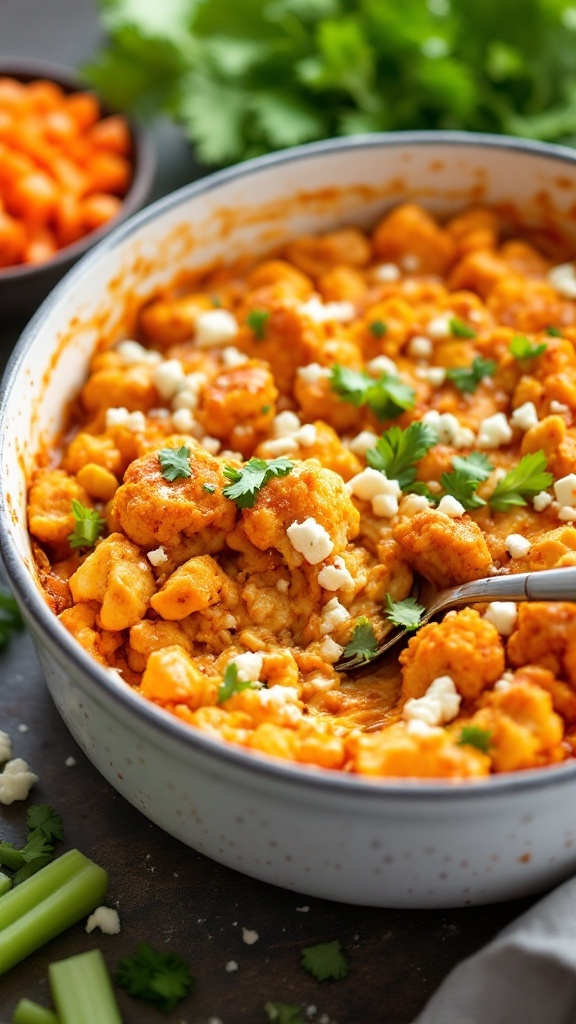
(332, 835)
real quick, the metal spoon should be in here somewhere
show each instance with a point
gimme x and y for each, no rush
(548, 585)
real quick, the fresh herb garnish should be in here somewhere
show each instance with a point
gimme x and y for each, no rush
(522, 348)
(174, 463)
(41, 818)
(209, 488)
(10, 618)
(88, 525)
(326, 960)
(282, 1013)
(528, 478)
(467, 378)
(265, 409)
(463, 487)
(231, 684)
(387, 396)
(162, 979)
(553, 332)
(397, 451)
(460, 329)
(474, 736)
(248, 481)
(362, 647)
(257, 320)
(407, 613)
(44, 827)
(378, 328)
(477, 466)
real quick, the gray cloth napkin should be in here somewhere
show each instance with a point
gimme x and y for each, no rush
(526, 975)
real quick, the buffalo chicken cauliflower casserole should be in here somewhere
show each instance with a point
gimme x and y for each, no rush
(245, 495)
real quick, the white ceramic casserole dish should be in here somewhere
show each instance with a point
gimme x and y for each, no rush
(326, 834)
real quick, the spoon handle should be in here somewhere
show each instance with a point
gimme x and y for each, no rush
(552, 585)
(548, 585)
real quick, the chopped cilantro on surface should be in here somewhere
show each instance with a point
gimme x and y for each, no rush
(209, 488)
(10, 618)
(174, 463)
(386, 396)
(44, 828)
(231, 684)
(525, 480)
(362, 647)
(463, 487)
(282, 1013)
(467, 378)
(460, 329)
(522, 348)
(378, 328)
(257, 320)
(477, 466)
(397, 452)
(474, 736)
(324, 961)
(162, 979)
(88, 526)
(553, 332)
(247, 482)
(407, 613)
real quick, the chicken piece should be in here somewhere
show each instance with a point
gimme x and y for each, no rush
(286, 339)
(410, 232)
(464, 646)
(171, 677)
(239, 404)
(275, 271)
(147, 636)
(554, 549)
(477, 228)
(530, 308)
(50, 515)
(309, 491)
(81, 622)
(317, 255)
(129, 387)
(169, 321)
(193, 587)
(119, 578)
(552, 437)
(446, 551)
(525, 731)
(479, 271)
(545, 635)
(342, 284)
(395, 752)
(563, 696)
(154, 511)
(86, 448)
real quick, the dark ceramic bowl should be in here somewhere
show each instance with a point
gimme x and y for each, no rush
(24, 286)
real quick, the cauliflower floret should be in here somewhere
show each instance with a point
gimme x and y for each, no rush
(153, 511)
(463, 646)
(171, 677)
(239, 404)
(546, 636)
(309, 491)
(50, 516)
(556, 548)
(409, 232)
(169, 321)
(128, 387)
(524, 729)
(193, 587)
(117, 576)
(446, 551)
(427, 753)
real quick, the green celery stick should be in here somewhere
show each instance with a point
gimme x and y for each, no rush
(82, 991)
(46, 904)
(28, 1012)
(5, 883)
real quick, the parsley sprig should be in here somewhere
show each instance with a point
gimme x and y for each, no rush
(522, 348)
(398, 451)
(231, 684)
(162, 979)
(283, 1013)
(88, 526)
(362, 647)
(460, 329)
(246, 483)
(474, 736)
(10, 618)
(386, 396)
(44, 828)
(525, 480)
(174, 463)
(462, 487)
(407, 613)
(467, 378)
(477, 465)
(324, 961)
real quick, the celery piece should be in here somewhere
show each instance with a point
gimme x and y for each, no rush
(5, 883)
(41, 907)
(82, 991)
(28, 1012)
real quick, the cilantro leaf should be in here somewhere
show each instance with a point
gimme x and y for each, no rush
(174, 463)
(521, 348)
(378, 328)
(467, 378)
(162, 979)
(257, 320)
(474, 736)
(463, 487)
(324, 961)
(248, 481)
(477, 466)
(553, 332)
(231, 684)
(397, 451)
(43, 819)
(460, 329)
(362, 647)
(528, 478)
(282, 1013)
(88, 525)
(209, 488)
(387, 396)
(407, 613)
(10, 618)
